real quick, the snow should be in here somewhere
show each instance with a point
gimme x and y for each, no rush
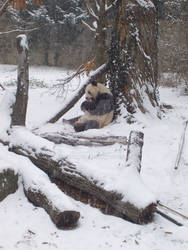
(23, 42)
(24, 226)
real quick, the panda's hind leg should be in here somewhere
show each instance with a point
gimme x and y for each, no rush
(90, 124)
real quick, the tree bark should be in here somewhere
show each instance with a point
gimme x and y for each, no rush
(20, 106)
(133, 63)
(134, 150)
(63, 219)
(77, 140)
(8, 182)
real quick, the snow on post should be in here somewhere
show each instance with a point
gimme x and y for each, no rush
(20, 107)
(134, 150)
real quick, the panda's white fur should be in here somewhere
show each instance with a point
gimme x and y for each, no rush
(98, 107)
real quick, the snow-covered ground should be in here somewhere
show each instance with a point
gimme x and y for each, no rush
(24, 226)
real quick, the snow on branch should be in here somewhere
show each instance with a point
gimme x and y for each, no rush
(111, 6)
(4, 7)
(91, 11)
(18, 30)
(89, 26)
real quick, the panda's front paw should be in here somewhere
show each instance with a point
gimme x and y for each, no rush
(78, 127)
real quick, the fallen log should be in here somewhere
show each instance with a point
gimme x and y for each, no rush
(38, 189)
(78, 140)
(62, 218)
(74, 182)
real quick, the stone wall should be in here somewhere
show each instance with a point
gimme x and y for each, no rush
(51, 45)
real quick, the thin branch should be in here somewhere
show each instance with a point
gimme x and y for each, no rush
(20, 30)
(97, 5)
(90, 10)
(88, 26)
(2, 86)
(4, 7)
(109, 8)
(181, 144)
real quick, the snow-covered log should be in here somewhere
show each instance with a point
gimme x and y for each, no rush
(16, 169)
(78, 140)
(134, 150)
(77, 184)
(20, 106)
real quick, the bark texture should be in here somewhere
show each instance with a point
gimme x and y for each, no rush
(77, 140)
(8, 183)
(20, 106)
(133, 57)
(63, 219)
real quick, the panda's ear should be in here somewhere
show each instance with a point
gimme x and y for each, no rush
(93, 82)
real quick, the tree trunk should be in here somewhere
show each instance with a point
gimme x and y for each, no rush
(20, 106)
(133, 58)
(100, 37)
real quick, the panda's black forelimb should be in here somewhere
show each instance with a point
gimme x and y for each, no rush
(102, 105)
(90, 124)
(72, 121)
(87, 106)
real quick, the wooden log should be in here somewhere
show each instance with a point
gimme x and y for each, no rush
(38, 188)
(20, 106)
(69, 178)
(42, 193)
(134, 150)
(77, 140)
(62, 218)
(8, 182)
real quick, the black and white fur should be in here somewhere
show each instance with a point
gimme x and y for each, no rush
(97, 108)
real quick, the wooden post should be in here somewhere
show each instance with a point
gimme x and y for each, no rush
(20, 106)
(134, 149)
(8, 182)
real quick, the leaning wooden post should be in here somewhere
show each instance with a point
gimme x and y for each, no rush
(20, 106)
(134, 149)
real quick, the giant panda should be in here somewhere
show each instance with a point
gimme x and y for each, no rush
(97, 108)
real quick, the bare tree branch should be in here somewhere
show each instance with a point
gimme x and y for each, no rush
(90, 10)
(89, 26)
(4, 7)
(110, 7)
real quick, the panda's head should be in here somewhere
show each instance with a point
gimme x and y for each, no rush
(93, 89)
